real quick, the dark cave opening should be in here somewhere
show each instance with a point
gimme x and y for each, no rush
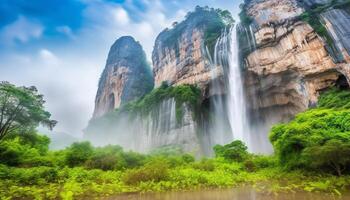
(342, 82)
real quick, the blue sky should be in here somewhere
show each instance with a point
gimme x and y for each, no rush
(60, 46)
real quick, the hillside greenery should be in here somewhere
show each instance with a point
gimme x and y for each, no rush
(318, 139)
(184, 95)
(312, 153)
(83, 171)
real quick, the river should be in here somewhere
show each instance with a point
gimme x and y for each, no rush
(242, 193)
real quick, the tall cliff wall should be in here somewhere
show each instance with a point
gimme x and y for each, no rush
(290, 63)
(166, 116)
(182, 53)
(126, 77)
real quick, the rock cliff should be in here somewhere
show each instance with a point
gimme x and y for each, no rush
(181, 56)
(126, 77)
(182, 53)
(290, 63)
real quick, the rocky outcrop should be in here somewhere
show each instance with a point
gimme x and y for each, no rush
(337, 22)
(290, 64)
(288, 61)
(126, 77)
(182, 53)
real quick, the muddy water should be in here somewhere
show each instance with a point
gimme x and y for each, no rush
(230, 194)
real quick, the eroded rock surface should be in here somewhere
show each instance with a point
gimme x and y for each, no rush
(290, 65)
(182, 53)
(126, 77)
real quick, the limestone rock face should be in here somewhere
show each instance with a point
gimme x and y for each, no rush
(337, 22)
(182, 53)
(268, 11)
(290, 64)
(127, 76)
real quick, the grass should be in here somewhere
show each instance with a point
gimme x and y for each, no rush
(79, 183)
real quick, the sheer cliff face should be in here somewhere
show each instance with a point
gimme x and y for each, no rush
(127, 76)
(182, 53)
(290, 64)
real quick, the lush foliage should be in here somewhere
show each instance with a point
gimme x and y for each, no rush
(235, 151)
(309, 149)
(317, 139)
(21, 109)
(83, 171)
(335, 98)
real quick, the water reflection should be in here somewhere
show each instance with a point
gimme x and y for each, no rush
(230, 194)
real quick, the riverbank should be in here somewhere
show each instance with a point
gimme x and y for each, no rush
(80, 183)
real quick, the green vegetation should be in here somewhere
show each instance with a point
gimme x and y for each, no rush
(312, 153)
(235, 151)
(21, 109)
(82, 171)
(317, 139)
(183, 94)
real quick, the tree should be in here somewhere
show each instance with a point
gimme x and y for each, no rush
(334, 154)
(236, 151)
(78, 153)
(21, 109)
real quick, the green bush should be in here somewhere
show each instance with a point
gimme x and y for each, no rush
(235, 151)
(335, 98)
(78, 153)
(333, 154)
(154, 171)
(205, 165)
(309, 141)
(102, 160)
(14, 152)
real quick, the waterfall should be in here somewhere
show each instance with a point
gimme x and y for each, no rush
(237, 114)
(229, 109)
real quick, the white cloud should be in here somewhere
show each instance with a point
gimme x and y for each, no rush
(21, 30)
(48, 57)
(121, 16)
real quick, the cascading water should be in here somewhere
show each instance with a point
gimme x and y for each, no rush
(237, 114)
(232, 107)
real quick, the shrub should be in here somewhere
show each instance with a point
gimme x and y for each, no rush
(235, 151)
(78, 153)
(204, 165)
(102, 160)
(155, 171)
(335, 98)
(14, 152)
(334, 154)
(310, 139)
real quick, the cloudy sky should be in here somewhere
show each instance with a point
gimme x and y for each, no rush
(60, 46)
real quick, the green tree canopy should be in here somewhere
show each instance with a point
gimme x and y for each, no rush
(21, 109)
(235, 151)
(334, 154)
(78, 153)
(318, 138)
